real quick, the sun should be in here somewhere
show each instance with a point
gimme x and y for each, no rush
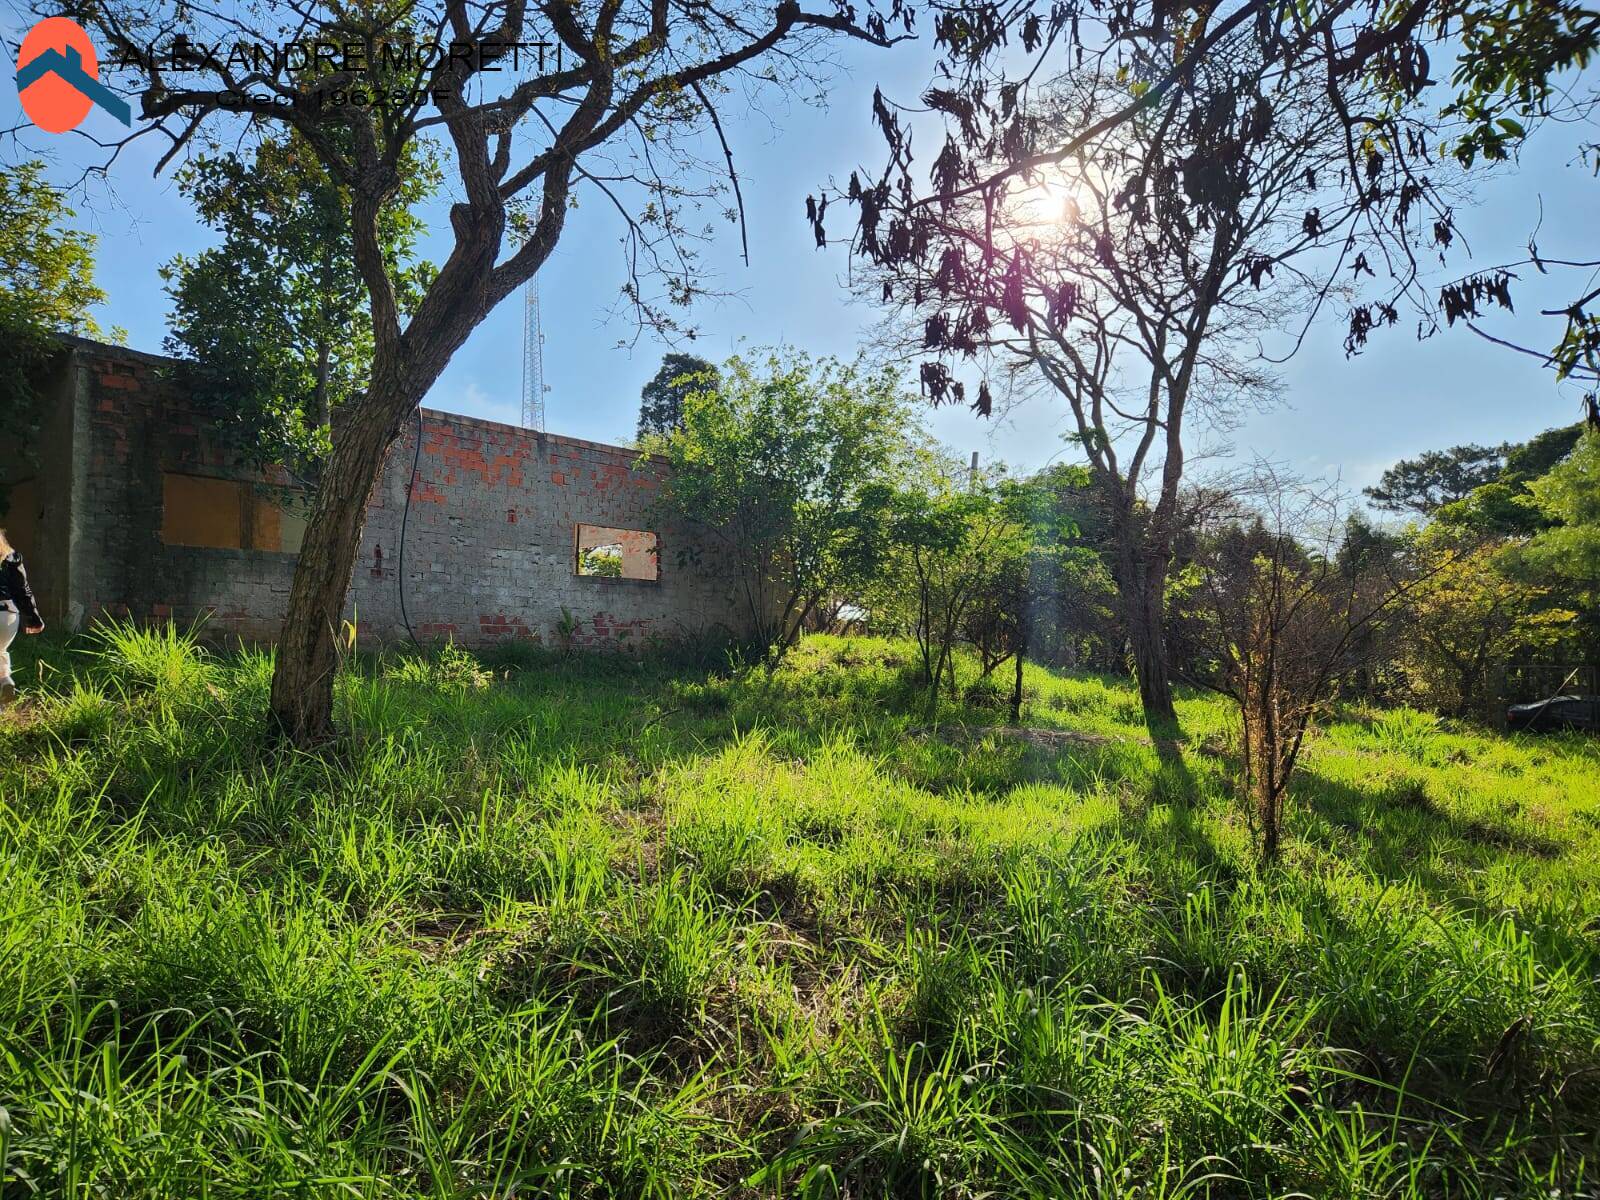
(1046, 201)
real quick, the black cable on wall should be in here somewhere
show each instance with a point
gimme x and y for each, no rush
(405, 517)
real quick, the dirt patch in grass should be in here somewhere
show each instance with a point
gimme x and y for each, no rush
(439, 935)
(1050, 740)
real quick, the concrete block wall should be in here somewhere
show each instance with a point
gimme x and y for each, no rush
(136, 425)
(40, 515)
(490, 546)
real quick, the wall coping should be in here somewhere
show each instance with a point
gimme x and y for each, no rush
(76, 343)
(444, 416)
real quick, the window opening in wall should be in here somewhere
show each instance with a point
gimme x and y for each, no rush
(616, 553)
(200, 511)
(227, 514)
(278, 520)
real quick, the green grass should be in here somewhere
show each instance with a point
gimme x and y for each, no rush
(599, 927)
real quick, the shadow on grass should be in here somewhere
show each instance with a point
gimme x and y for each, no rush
(1399, 836)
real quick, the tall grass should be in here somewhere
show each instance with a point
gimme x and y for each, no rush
(623, 927)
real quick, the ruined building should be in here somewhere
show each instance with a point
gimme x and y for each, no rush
(134, 506)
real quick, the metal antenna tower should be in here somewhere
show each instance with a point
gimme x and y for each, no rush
(532, 360)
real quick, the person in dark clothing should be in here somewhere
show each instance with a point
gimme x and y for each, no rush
(17, 608)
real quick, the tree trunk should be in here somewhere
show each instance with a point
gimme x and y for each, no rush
(1263, 754)
(302, 683)
(404, 366)
(1267, 812)
(1144, 617)
(1139, 566)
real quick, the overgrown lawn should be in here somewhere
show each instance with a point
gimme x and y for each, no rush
(597, 927)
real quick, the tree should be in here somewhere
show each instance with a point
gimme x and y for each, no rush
(1466, 619)
(1563, 552)
(1286, 627)
(1369, 59)
(1540, 453)
(1132, 283)
(1504, 507)
(787, 467)
(522, 99)
(46, 287)
(1035, 579)
(605, 561)
(953, 551)
(1568, 497)
(1424, 484)
(1074, 621)
(661, 400)
(276, 316)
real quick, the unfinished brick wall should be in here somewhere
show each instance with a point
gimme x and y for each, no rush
(134, 425)
(490, 548)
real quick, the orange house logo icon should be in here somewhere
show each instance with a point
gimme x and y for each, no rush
(58, 77)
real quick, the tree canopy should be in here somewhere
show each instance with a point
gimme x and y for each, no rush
(661, 399)
(1424, 484)
(1568, 497)
(787, 467)
(46, 287)
(276, 315)
(1377, 69)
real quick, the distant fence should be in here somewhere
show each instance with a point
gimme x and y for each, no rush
(1523, 682)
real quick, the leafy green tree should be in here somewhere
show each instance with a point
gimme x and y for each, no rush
(1568, 497)
(603, 562)
(276, 317)
(46, 269)
(1541, 452)
(661, 400)
(786, 466)
(46, 287)
(1504, 507)
(1426, 483)
(1076, 619)
(1496, 510)
(1466, 618)
(1037, 591)
(953, 552)
(1530, 545)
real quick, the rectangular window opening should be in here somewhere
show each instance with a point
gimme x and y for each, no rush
(197, 510)
(616, 553)
(278, 519)
(227, 514)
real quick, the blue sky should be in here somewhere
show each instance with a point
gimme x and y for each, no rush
(1341, 417)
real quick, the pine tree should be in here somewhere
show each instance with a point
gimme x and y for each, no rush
(661, 400)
